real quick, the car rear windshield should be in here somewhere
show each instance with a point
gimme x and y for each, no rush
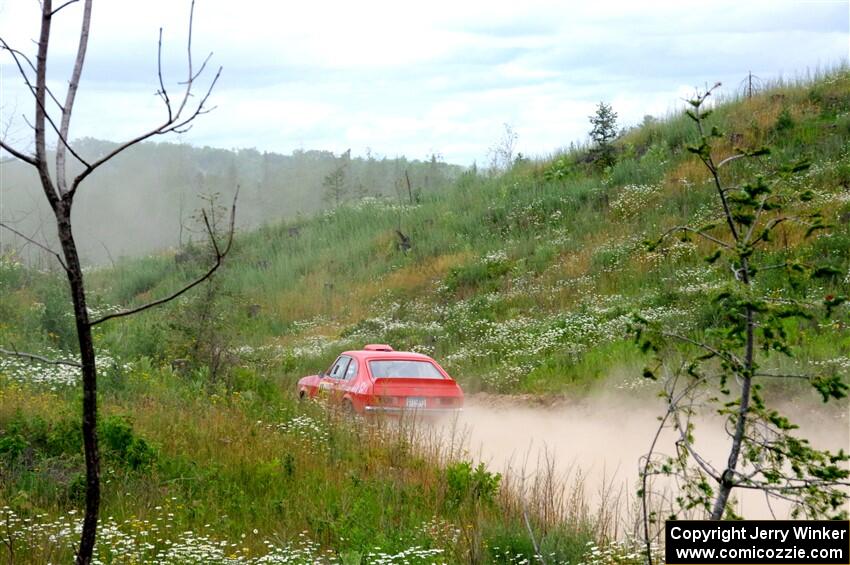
(404, 370)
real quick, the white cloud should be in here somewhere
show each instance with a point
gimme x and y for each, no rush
(411, 79)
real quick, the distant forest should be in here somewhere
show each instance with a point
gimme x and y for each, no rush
(145, 199)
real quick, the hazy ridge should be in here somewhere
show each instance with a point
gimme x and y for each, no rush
(137, 203)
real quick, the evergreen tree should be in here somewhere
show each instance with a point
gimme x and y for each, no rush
(602, 134)
(335, 183)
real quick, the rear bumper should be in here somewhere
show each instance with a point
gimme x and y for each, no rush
(404, 410)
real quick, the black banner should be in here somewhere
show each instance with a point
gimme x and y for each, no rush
(757, 542)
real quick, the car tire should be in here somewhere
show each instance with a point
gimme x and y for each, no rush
(348, 408)
(302, 395)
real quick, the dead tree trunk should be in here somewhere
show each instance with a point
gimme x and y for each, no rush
(409, 189)
(60, 195)
(87, 360)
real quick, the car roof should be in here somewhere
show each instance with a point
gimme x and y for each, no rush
(366, 355)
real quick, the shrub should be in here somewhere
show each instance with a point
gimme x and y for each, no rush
(784, 122)
(560, 169)
(12, 445)
(57, 318)
(484, 276)
(123, 446)
(466, 484)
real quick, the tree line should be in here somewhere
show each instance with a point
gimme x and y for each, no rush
(144, 200)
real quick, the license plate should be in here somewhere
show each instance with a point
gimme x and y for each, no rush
(415, 402)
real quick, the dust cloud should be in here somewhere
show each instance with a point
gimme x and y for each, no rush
(600, 439)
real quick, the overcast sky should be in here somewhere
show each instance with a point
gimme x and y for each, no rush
(406, 78)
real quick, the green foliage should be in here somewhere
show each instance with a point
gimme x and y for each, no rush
(334, 182)
(123, 446)
(784, 122)
(724, 359)
(560, 169)
(644, 170)
(274, 187)
(12, 272)
(602, 134)
(484, 276)
(145, 274)
(566, 243)
(471, 485)
(39, 458)
(49, 439)
(57, 316)
(517, 283)
(12, 445)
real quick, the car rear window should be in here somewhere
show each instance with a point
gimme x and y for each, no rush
(404, 370)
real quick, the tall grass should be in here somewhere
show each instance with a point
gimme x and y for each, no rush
(253, 469)
(521, 282)
(565, 244)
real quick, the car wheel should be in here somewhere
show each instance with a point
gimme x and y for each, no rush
(302, 395)
(348, 408)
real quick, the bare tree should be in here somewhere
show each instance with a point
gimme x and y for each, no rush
(502, 153)
(61, 190)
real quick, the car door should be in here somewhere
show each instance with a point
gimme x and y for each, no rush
(355, 385)
(332, 380)
(348, 381)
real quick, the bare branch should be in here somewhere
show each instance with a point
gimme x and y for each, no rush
(108, 254)
(531, 535)
(731, 158)
(68, 108)
(210, 232)
(175, 122)
(17, 154)
(163, 93)
(773, 267)
(28, 122)
(40, 110)
(797, 484)
(188, 58)
(220, 254)
(23, 56)
(769, 506)
(782, 376)
(36, 243)
(699, 233)
(704, 465)
(39, 100)
(713, 168)
(68, 3)
(39, 358)
(728, 357)
(683, 441)
(647, 461)
(203, 66)
(172, 124)
(757, 217)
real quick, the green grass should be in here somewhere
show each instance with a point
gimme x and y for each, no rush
(489, 253)
(244, 464)
(523, 282)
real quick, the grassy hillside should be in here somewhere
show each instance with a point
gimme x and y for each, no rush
(522, 282)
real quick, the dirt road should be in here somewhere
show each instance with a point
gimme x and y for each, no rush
(602, 437)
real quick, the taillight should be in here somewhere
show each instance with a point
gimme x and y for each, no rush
(386, 400)
(449, 402)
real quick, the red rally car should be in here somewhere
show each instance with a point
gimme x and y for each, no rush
(378, 379)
